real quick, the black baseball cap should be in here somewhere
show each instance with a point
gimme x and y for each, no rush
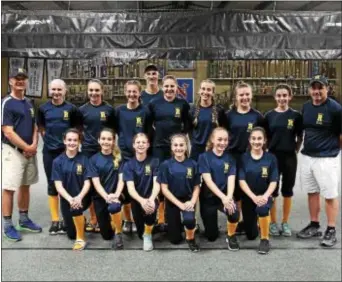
(18, 72)
(320, 79)
(150, 68)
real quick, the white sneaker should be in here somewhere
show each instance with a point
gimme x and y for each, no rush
(148, 244)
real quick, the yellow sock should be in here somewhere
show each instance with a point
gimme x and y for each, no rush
(127, 212)
(112, 224)
(231, 227)
(161, 213)
(79, 222)
(287, 208)
(264, 223)
(148, 229)
(93, 219)
(54, 207)
(239, 205)
(274, 211)
(117, 220)
(190, 233)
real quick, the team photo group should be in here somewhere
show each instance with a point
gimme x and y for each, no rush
(159, 165)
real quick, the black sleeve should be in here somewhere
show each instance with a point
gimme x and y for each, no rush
(260, 120)
(40, 118)
(191, 118)
(148, 129)
(222, 118)
(299, 125)
(112, 119)
(267, 126)
(185, 117)
(75, 118)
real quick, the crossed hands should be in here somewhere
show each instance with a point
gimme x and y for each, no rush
(76, 202)
(148, 205)
(260, 200)
(188, 206)
(30, 151)
(112, 198)
(228, 204)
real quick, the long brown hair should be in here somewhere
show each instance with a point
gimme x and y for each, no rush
(180, 135)
(283, 86)
(214, 114)
(263, 131)
(210, 144)
(99, 82)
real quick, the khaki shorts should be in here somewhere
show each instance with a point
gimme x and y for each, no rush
(16, 169)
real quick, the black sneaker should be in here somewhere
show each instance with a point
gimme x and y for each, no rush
(193, 247)
(54, 228)
(264, 246)
(329, 238)
(309, 232)
(240, 229)
(118, 242)
(233, 244)
(62, 228)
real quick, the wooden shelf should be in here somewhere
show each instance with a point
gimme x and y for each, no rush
(104, 78)
(270, 95)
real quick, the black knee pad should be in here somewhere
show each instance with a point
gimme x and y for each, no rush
(114, 208)
(52, 191)
(287, 194)
(233, 218)
(262, 211)
(189, 219)
(76, 212)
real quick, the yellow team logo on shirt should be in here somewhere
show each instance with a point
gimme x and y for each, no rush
(249, 127)
(103, 115)
(226, 167)
(32, 112)
(264, 172)
(177, 112)
(289, 123)
(147, 170)
(79, 169)
(138, 122)
(66, 115)
(188, 172)
(319, 118)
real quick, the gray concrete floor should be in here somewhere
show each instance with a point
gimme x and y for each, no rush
(42, 257)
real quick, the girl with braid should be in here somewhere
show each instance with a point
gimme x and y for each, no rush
(205, 116)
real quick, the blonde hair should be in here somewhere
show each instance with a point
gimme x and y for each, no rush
(240, 84)
(140, 134)
(214, 114)
(133, 82)
(183, 136)
(116, 149)
(210, 144)
(169, 76)
(94, 80)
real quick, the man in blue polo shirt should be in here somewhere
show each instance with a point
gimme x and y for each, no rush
(320, 169)
(19, 147)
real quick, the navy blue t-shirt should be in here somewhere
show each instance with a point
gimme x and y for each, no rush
(19, 114)
(103, 166)
(141, 173)
(56, 119)
(201, 132)
(73, 172)
(239, 127)
(322, 128)
(219, 167)
(129, 123)
(259, 173)
(181, 177)
(283, 129)
(94, 119)
(169, 118)
(147, 97)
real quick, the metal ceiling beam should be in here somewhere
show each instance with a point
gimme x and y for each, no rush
(310, 5)
(62, 5)
(14, 5)
(141, 5)
(223, 4)
(263, 5)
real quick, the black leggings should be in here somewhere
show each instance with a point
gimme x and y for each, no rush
(238, 193)
(175, 226)
(141, 218)
(103, 218)
(48, 157)
(287, 165)
(68, 213)
(208, 209)
(251, 212)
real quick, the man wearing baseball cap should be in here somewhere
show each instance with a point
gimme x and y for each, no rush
(19, 147)
(320, 168)
(152, 90)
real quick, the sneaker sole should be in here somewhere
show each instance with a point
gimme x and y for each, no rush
(230, 249)
(53, 233)
(318, 234)
(11, 239)
(323, 244)
(275, 235)
(286, 234)
(61, 232)
(263, 253)
(148, 250)
(20, 228)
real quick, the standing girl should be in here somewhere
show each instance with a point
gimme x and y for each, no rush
(241, 119)
(205, 116)
(96, 115)
(258, 177)
(140, 175)
(54, 118)
(70, 173)
(218, 171)
(131, 119)
(106, 173)
(284, 132)
(169, 115)
(180, 179)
